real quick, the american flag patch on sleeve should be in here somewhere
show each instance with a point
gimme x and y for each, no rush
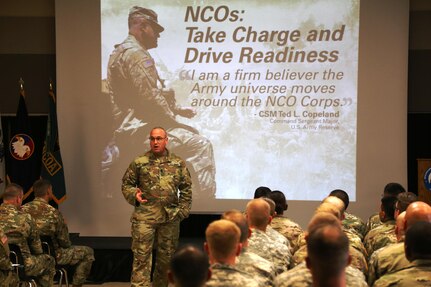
(148, 63)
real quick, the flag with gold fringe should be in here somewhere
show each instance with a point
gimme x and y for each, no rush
(52, 165)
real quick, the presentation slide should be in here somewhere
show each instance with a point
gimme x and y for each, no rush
(273, 87)
(292, 95)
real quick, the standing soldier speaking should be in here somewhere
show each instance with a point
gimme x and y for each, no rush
(159, 186)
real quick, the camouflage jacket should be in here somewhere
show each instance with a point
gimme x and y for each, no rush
(417, 274)
(355, 240)
(380, 237)
(49, 222)
(5, 263)
(388, 259)
(373, 222)
(300, 276)
(8, 278)
(261, 268)
(263, 245)
(277, 236)
(288, 229)
(20, 229)
(132, 83)
(355, 224)
(160, 179)
(358, 259)
(225, 275)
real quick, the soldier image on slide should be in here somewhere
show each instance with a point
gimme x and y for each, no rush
(141, 101)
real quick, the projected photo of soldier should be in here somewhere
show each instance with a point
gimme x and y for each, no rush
(140, 101)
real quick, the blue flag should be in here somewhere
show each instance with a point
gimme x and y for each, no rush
(52, 165)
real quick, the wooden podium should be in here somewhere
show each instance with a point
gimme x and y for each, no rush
(424, 180)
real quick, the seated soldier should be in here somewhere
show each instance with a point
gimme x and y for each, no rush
(335, 206)
(189, 267)
(258, 218)
(21, 230)
(392, 257)
(288, 228)
(391, 189)
(261, 268)
(328, 256)
(50, 222)
(8, 278)
(301, 276)
(385, 233)
(223, 246)
(350, 221)
(418, 251)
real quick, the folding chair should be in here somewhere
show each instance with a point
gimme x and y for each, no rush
(18, 264)
(48, 247)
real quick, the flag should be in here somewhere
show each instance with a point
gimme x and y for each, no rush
(2, 162)
(24, 150)
(52, 165)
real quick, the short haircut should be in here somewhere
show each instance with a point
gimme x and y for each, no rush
(239, 219)
(404, 200)
(40, 187)
(320, 219)
(341, 194)
(262, 191)
(337, 202)
(330, 208)
(189, 265)
(388, 206)
(258, 213)
(393, 189)
(328, 250)
(12, 191)
(222, 238)
(280, 201)
(418, 241)
(160, 128)
(417, 211)
(271, 205)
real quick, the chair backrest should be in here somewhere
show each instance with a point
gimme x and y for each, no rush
(17, 260)
(48, 245)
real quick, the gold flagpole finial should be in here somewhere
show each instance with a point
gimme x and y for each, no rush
(50, 84)
(21, 83)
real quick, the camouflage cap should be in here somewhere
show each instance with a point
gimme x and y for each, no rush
(147, 14)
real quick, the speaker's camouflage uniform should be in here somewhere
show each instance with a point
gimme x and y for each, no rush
(50, 222)
(166, 185)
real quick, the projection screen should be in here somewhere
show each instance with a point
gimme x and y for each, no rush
(298, 96)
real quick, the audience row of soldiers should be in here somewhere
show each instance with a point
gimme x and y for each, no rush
(338, 249)
(24, 225)
(257, 247)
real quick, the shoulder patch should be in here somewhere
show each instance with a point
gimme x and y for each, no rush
(148, 63)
